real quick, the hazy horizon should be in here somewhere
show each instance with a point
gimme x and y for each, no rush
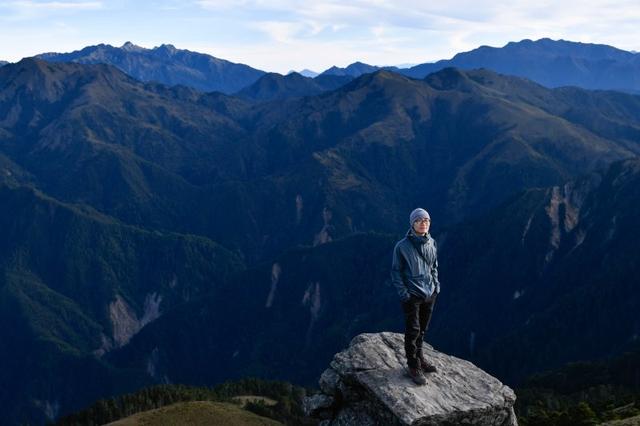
(284, 35)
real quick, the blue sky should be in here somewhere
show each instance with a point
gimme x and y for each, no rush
(281, 35)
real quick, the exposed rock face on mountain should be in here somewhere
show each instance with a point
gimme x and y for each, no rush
(167, 65)
(366, 384)
(553, 63)
(293, 305)
(554, 268)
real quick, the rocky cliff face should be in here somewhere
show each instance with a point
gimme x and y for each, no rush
(367, 384)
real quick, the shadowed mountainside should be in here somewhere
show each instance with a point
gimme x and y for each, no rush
(132, 165)
(324, 166)
(552, 275)
(274, 86)
(530, 286)
(75, 284)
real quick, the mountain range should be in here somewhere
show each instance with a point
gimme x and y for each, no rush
(551, 63)
(148, 155)
(167, 65)
(161, 233)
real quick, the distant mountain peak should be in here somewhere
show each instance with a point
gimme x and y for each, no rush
(583, 49)
(308, 73)
(33, 65)
(167, 47)
(331, 70)
(166, 50)
(130, 47)
(379, 81)
(43, 81)
(355, 69)
(276, 86)
(166, 64)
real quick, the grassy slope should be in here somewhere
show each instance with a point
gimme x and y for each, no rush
(196, 413)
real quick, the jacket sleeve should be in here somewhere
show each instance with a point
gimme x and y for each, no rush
(398, 266)
(434, 272)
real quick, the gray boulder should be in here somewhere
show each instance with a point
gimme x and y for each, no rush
(367, 384)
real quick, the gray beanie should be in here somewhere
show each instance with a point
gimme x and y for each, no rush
(418, 214)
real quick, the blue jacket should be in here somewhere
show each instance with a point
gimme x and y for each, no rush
(410, 272)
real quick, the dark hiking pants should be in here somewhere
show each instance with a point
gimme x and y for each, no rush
(417, 314)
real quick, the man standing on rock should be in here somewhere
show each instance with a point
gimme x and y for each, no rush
(414, 273)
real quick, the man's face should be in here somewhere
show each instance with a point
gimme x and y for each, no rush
(421, 226)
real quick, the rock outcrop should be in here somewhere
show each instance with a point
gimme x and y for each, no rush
(367, 384)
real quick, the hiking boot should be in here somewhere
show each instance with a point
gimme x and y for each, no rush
(425, 366)
(417, 376)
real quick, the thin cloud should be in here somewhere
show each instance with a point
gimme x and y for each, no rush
(53, 5)
(464, 17)
(26, 10)
(281, 32)
(218, 5)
